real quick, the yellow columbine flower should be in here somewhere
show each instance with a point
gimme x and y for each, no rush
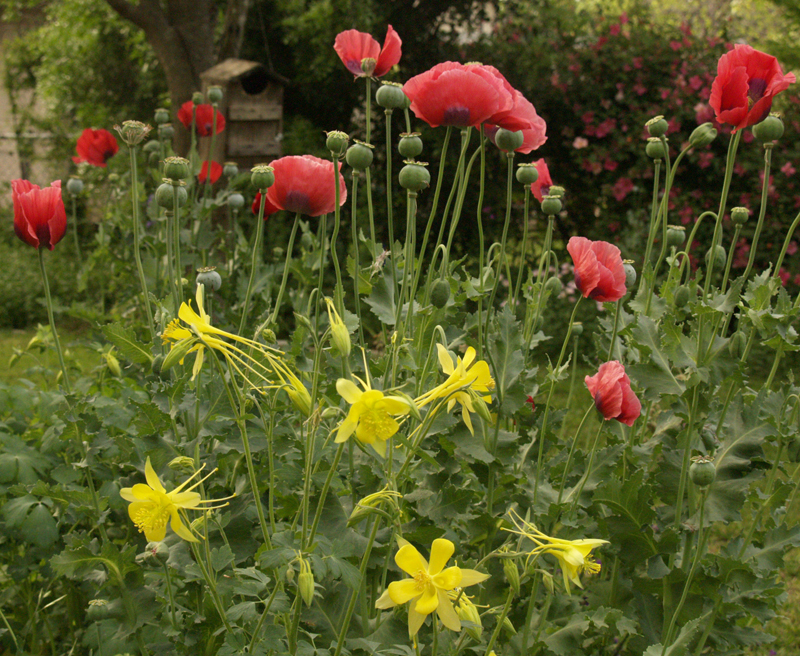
(574, 556)
(428, 586)
(152, 506)
(371, 414)
(463, 375)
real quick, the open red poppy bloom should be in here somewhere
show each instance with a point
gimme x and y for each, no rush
(203, 118)
(95, 147)
(611, 390)
(522, 117)
(39, 215)
(541, 187)
(216, 171)
(303, 184)
(746, 82)
(363, 56)
(599, 273)
(459, 95)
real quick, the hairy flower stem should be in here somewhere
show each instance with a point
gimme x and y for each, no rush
(520, 273)
(786, 243)
(75, 228)
(482, 246)
(254, 259)
(212, 587)
(338, 292)
(322, 238)
(462, 176)
(389, 204)
(500, 619)
(541, 278)
(324, 493)
(356, 262)
(137, 255)
(761, 214)
(274, 318)
(267, 606)
(269, 432)
(168, 578)
(687, 451)
(368, 131)
(176, 241)
(207, 183)
(56, 342)
(572, 451)
(588, 472)
(614, 331)
(408, 266)
(654, 206)
(572, 380)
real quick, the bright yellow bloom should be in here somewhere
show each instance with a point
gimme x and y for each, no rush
(574, 556)
(152, 506)
(428, 586)
(371, 414)
(464, 376)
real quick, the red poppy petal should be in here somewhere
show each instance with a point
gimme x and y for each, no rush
(390, 53)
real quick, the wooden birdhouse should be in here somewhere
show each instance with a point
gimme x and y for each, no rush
(252, 104)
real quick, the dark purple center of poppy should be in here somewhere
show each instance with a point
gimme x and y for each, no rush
(297, 201)
(108, 154)
(755, 88)
(456, 116)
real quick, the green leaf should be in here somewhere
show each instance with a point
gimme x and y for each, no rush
(125, 340)
(381, 300)
(221, 558)
(655, 376)
(16, 510)
(21, 464)
(39, 526)
(681, 644)
(506, 351)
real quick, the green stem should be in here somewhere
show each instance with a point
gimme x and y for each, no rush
(786, 243)
(286, 266)
(572, 452)
(653, 214)
(614, 331)
(588, 473)
(254, 260)
(338, 292)
(212, 586)
(137, 242)
(500, 619)
(761, 214)
(520, 273)
(176, 226)
(324, 493)
(482, 246)
(75, 228)
(171, 598)
(357, 264)
(56, 342)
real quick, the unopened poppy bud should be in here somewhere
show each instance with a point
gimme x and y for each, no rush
(718, 254)
(340, 336)
(157, 364)
(527, 173)
(709, 437)
(655, 148)
(675, 235)
(113, 364)
(737, 345)
(553, 286)
(209, 278)
(414, 176)
(681, 296)
(511, 571)
(390, 96)
(551, 205)
(509, 627)
(262, 177)
(577, 329)
(166, 131)
(702, 135)
(236, 201)
(410, 144)
(359, 156)
(197, 98)
(305, 582)
(161, 116)
(74, 185)
(336, 142)
(159, 550)
(177, 168)
(702, 471)
(739, 215)
(133, 132)
(152, 146)
(630, 273)
(230, 170)
(214, 94)
(657, 126)
(440, 293)
(165, 196)
(508, 141)
(770, 129)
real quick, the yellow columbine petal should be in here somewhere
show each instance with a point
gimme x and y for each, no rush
(415, 621)
(447, 613)
(441, 551)
(471, 577)
(469, 356)
(385, 600)
(152, 477)
(347, 427)
(428, 602)
(348, 390)
(402, 591)
(448, 579)
(444, 359)
(179, 528)
(410, 560)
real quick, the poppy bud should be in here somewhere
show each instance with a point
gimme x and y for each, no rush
(113, 364)
(675, 235)
(410, 145)
(508, 141)
(177, 168)
(209, 278)
(165, 196)
(577, 329)
(527, 173)
(230, 170)
(197, 98)
(156, 364)
(236, 201)
(414, 176)
(655, 148)
(161, 116)
(262, 176)
(511, 571)
(739, 215)
(214, 94)
(390, 96)
(719, 256)
(657, 126)
(74, 185)
(359, 156)
(709, 437)
(553, 286)
(133, 132)
(166, 131)
(152, 146)
(551, 205)
(770, 129)
(737, 345)
(159, 550)
(681, 296)
(630, 273)
(440, 293)
(336, 143)
(702, 471)
(702, 135)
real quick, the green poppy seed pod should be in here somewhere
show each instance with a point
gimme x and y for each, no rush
(230, 170)
(577, 329)
(197, 98)
(719, 256)
(390, 96)
(165, 196)
(553, 286)
(359, 156)
(527, 173)
(177, 168)
(209, 278)
(675, 235)
(214, 94)
(739, 215)
(702, 135)
(630, 273)
(152, 146)
(655, 148)
(556, 191)
(368, 65)
(166, 131)
(681, 296)
(770, 129)
(74, 185)
(657, 126)
(702, 471)
(133, 132)
(262, 176)
(336, 143)
(737, 345)
(508, 141)
(793, 450)
(414, 176)
(551, 205)
(159, 550)
(410, 145)
(161, 116)
(440, 293)
(113, 364)
(236, 201)
(511, 572)
(98, 608)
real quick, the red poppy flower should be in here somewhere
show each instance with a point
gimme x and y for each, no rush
(746, 82)
(541, 187)
(95, 147)
(216, 171)
(523, 117)
(459, 95)
(303, 184)
(599, 273)
(354, 47)
(203, 118)
(611, 390)
(530, 401)
(39, 215)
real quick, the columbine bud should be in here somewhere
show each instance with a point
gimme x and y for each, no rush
(770, 129)
(165, 196)
(230, 170)
(182, 465)
(197, 98)
(655, 148)
(74, 185)
(675, 235)
(166, 131)
(209, 278)
(305, 582)
(262, 176)
(702, 135)
(657, 126)
(719, 256)
(390, 96)
(508, 141)
(176, 354)
(527, 173)
(236, 201)
(269, 336)
(113, 364)
(133, 132)
(630, 273)
(440, 293)
(336, 142)
(340, 336)
(414, 176)
(410, 144)
(214, 94)
(511, 571)
(548, 582)
(509, 627)
(481, 409)
(177, 168)
(467, 612)
(551, 205)
(702, 471)
(359, 155)
(161, 116)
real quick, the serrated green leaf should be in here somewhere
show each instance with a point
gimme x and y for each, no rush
(505, 350)
(16, 510)
(39, 527)
(125, 340)
(680, 645)
(381, 299)
(655, 376)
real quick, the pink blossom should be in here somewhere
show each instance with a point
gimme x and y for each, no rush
(622, 188)
(788, 169)
(784, 275)
(791, 249)
(705, 159)
(610, 165)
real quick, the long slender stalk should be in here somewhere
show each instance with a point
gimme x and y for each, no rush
(137, 239)
(56, 342)
(286, 266)
(520, 273)
(254, 259)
